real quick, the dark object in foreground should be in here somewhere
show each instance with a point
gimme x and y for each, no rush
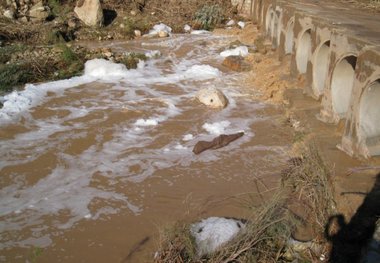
(218, 142)
(351, 243)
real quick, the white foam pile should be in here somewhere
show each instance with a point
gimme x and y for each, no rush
(202, 72)
(213, 232)
(187, 28)
(188, 137)
(146, 122)
(153, 54)
(238, 51)
(160, 28)
(241, 24)
(230, 23)
(216, 128)
(97, 70)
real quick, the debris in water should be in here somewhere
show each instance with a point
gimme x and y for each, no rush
(218, 142)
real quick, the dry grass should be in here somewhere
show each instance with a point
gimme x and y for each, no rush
(266, 235)
(12, 31)
(309, 177)
(263, 239)
(176, 244)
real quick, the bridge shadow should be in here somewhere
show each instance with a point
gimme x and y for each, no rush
(353, 241)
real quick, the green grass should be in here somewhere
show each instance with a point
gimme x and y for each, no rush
(7, 51)
(68, 55)
(55, 7)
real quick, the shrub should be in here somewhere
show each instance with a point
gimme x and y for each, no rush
(132, 59)
(13, 75)
(209, 16)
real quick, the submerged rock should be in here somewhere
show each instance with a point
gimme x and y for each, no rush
(212, 97)
(213, 232)
(236, 63)
(218, 142)
(90, 12)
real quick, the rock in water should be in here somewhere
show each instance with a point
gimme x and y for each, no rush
(212, 97)
(218, 142)
(90, 12)
(236, 63)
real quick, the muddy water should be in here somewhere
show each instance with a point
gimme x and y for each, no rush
(90, 168)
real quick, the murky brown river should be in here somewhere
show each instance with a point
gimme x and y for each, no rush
(93, 166)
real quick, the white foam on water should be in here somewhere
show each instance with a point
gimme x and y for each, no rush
(202, 72)
(200, 32)
(19, 101)
(188, 137)
(153, 54)
(146, 122)
(239, 51)
(216, 128)
(180, 147)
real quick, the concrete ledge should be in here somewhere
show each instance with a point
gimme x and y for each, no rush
(335, 50)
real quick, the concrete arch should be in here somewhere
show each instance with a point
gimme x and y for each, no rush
(342, 83)
(303, 51)
(269, 20)
(257, 9)
(273, 23)
(278, 26)
(369, 117)
(289, 36)
(261, 10)
(252, 9)
(321, 67)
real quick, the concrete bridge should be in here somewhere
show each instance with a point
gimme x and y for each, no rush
(337, 50)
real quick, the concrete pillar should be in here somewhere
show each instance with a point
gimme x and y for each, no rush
(362, 129)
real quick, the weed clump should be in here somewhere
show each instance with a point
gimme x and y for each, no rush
(131, 24)
(132, 59)
(176, 244)
(308, 177)
(209, 16)
(12, 75)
